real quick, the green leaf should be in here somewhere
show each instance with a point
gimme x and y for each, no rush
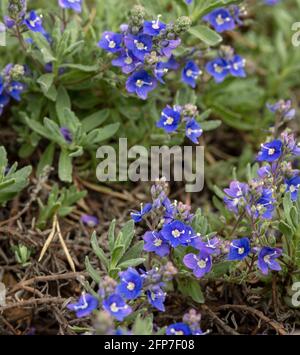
(46, 158)
(43, 45)
(46, 84)
(210, 125)
(92, 272)
(65, 167)
(81, 67)
(100, 134)
(143, 326)
(131, 262)
(191, 288)
(63, 101)
(134, 252)
(95, 120)
(98, 251)
(206, 35)
(111, 235)
(117, 254)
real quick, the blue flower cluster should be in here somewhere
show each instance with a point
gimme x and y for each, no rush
(144, 51)
(189, 326)
(171, 118)
(226, 64)
(10, 85)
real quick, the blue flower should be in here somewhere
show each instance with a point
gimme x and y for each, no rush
(139, 45)
(66, 133)
(293, 186)
(201, 264)
(221, 20)
(131, 284)
(211, 246)
(9, 22)
(4, 100)
(264, 206)
(70, 4)
(153, 28)
(160, 70)
(141, 83)
(154, 242)
(111, 42)
(126, 61)
(190, 73)
(169, 119)
(189, 2)
(237, 66)
(283, 108)
(266, 259)
(168, 46)
(90, 221)
(178, 329)
(85, 305)
(193, 130)
(236, 195)
(271, 2)
(156, 297)
(270, 151)
(218, 69)
(137, 216)
(239, 249)
(34, 22)
(15, 89)
(177, 233)
(117, 307)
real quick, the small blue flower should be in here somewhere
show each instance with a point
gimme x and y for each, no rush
(236, 195)
(201, 264)
(139, 45)
(131, 283)
(153, 28)
(156, 297)
(169, 119)
(154, 242)
(117, 307)
(177, 233)
(264, 206)
(178, 329)
(111, 42)
(137, 216)
(66, 133)
(189, 2)
(218, 69)
(239, 249)
(266, 259)
(221, 20)
(90, 221)
(160, 70)
(70, 4)
(168, 46)
(193, 130)
(34, 22)
(9, 22)
(126, 61)
(270, 151)
(190, 73)
(271, 2)
(141, 83)
(85, 305)
(237, 66)
(15, 89)
(293, 186)
(284, 108)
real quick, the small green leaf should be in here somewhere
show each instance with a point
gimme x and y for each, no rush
(117, 254)
(65, 167)
(210, 125)
(191, 288)
(92, 272)
(131, 262)
(111, 235)
(206, 35)
(46, 158)
(98, 251)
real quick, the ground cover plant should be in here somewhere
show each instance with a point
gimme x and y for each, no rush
(85, 250)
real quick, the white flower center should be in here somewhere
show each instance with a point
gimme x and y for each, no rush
(201, 264)
(176, 233)
(157, 242)
(114, 308)
(241, 251)
(271, 151)
(130, 286)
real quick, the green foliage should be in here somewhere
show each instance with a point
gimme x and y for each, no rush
(12, 181)
(60, 202)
